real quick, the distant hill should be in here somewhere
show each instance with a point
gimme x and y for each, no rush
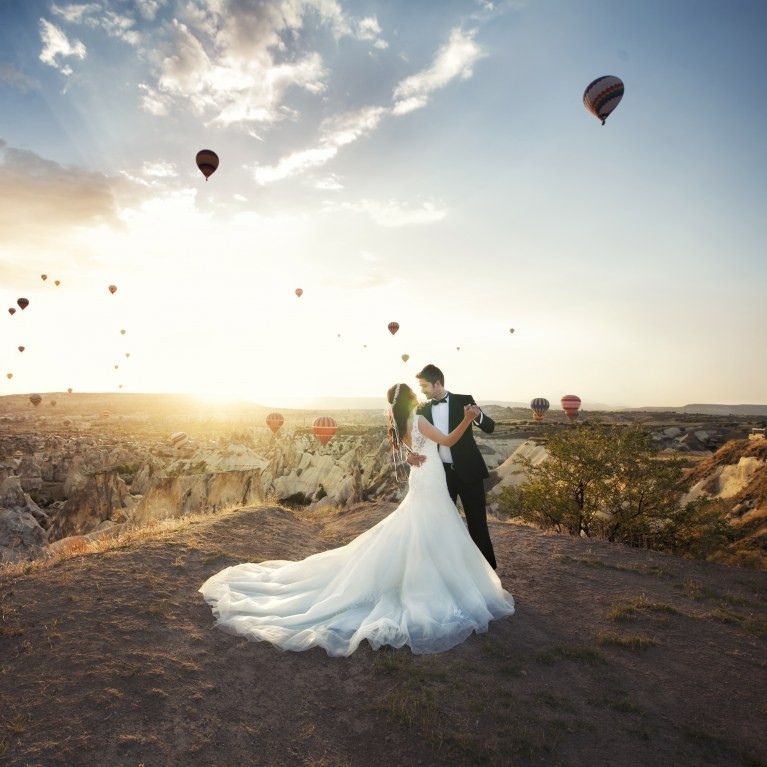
(710, 409)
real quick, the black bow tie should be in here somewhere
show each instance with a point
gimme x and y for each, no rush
(439, 401)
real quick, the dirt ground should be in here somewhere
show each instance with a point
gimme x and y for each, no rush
(615, 656)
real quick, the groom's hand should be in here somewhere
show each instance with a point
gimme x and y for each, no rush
(415, 459)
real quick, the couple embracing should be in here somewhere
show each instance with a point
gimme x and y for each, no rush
(418, 578)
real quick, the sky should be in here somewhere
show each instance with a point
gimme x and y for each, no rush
(419, 162)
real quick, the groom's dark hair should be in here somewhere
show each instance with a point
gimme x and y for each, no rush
(432, 374)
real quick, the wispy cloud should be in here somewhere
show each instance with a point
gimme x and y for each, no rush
(391, 213)
(57, 45)
(336, 132)
(16, 78)
(454, 60)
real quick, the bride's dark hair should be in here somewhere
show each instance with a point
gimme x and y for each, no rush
(402, 400)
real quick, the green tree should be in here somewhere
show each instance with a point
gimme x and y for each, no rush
(610, 483)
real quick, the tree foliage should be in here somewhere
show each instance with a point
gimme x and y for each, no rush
(610, 483)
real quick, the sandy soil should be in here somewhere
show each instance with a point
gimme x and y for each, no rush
(614, 657)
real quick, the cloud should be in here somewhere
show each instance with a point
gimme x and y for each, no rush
(329, 183)
(42, 201)
(336, 132)
(234, 61)
(392, 213)
(454, 60)
(17, 79)
(55, 44)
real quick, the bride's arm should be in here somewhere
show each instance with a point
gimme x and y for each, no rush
(470, 412)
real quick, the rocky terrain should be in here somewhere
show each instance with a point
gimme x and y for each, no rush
(93, 465)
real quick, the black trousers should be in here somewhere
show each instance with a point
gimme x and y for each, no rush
(472, 495)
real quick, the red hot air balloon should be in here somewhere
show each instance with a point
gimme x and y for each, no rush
(570, 404)
(11, 311)
(207, 162)
(274, 421)
(178, 438)
(324, 428)
(21, 348)
(23, 303)
(112, 289)
(393, 327)
(299, 292)
(539, 406)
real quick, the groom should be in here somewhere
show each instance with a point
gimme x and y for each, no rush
(465, 468)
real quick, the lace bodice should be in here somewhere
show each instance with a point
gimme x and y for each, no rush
(429, 477)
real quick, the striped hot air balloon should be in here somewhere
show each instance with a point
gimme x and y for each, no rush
(539, 406)
(178, 438)
(207, 162)
(274, 421)
(324, 428)
(570, 404)
(603, 95)
(393, 327)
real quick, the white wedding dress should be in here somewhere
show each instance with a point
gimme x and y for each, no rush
(416, 578)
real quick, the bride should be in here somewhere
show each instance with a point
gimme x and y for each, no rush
(416, 578)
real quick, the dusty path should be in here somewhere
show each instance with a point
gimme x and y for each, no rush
(614, 657)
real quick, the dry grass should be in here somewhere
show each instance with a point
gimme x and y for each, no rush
(633, 642)
(153, 531)
(633, 608)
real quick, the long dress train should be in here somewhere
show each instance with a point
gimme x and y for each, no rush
(416, 578)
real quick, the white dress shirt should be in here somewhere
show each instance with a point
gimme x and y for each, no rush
(440, 416)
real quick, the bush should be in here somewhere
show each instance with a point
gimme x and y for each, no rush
(610, 483)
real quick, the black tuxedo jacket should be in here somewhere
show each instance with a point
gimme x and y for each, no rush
(468, 461)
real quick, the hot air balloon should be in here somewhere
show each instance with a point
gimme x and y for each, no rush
(405, 357)
(112, 289)
(11, 311)
(69, 390)
(539, 406)
(511, 330)
(23, 303)
(57, 282)
(603, 95)
(122, 332)
(116, 367)
(570, 404)
(35, 399)
(21, 348)
(43, 277)
(324, 428)
(127, 355)
(178, 438)
(458, 348)
(9, 376)
(105, 414)
(299, 292)
(207, 162)
(119, 386)
(274, 421)
(393, 327)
